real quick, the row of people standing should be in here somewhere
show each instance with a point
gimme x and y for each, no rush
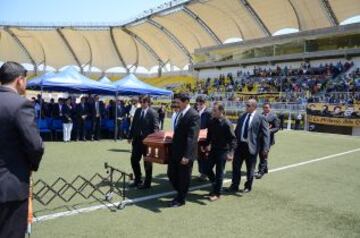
(251, 137)
(72, 114)
(83, 120)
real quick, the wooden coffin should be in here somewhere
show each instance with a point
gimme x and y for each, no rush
(159, 146)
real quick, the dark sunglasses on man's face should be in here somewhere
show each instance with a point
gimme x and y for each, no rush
(248, 105)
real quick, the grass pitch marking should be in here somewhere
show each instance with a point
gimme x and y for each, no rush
(164, 194)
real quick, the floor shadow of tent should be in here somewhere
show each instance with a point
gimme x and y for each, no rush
(120, 150)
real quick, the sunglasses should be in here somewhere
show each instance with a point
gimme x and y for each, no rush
(248, 105)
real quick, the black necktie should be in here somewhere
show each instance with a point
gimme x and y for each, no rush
(246, 128)
(142, 115)
(178, 118)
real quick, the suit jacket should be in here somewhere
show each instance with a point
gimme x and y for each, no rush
(258, 134)
(93, 110)
(56, 113)
(274, 122)
(185, 139)
(205, 119)
(67, 114)
(141, 128)
(82, 111)
(21, 146)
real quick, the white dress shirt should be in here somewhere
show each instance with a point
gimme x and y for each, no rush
(243, 127)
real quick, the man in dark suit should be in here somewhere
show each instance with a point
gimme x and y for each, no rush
(20, 152)
(161, 112)
(205, 118)
(273, 122)
(82, 112)
(184, 148)
(57, 112)
(97, 111)
(251, 129)
(145, 122)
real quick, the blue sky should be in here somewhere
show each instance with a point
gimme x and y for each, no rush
(72, 11)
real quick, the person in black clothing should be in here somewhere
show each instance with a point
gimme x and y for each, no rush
(205, 117)
(220, 142)
(82, 112)
(145, 122)
(21, 150)
(97, 111)
(281, 119)
(184, 148)
(57, 112)
(120, 117)
(50, 108)
(273, 122)
(161, 113)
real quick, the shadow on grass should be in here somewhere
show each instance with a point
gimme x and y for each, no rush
(160, 184)
(120, 150)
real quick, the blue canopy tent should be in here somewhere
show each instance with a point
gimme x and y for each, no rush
(70, 80)
(105, 80)
(134, 86)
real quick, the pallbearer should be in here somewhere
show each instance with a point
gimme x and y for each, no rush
(220, 142)
(205, 117)
(184, 148)
(144, 123)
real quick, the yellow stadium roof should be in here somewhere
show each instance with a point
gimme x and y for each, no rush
(170, 35)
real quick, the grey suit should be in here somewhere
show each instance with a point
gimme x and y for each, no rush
(20, 153)
(274, 123)
(258, 131)
(274, 127)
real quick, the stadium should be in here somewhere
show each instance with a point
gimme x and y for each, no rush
(300, 57)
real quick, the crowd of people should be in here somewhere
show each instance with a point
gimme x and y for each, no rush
(304, 82)
(85, 120)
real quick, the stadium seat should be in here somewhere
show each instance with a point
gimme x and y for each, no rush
(56, 127)
(43, 126)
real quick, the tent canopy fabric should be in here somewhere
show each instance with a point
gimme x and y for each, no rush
(105, 80)
(170, 35)
(134, 86)
(70, 80)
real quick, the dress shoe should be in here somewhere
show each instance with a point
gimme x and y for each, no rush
(144, 186)
(231, 189)
(259, 175)
(247, 190)
(135, 184)
(177, 204)
(202, 178)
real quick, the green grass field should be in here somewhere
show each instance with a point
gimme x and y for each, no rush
(320, 199)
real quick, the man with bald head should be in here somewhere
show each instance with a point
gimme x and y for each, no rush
(251, 129)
